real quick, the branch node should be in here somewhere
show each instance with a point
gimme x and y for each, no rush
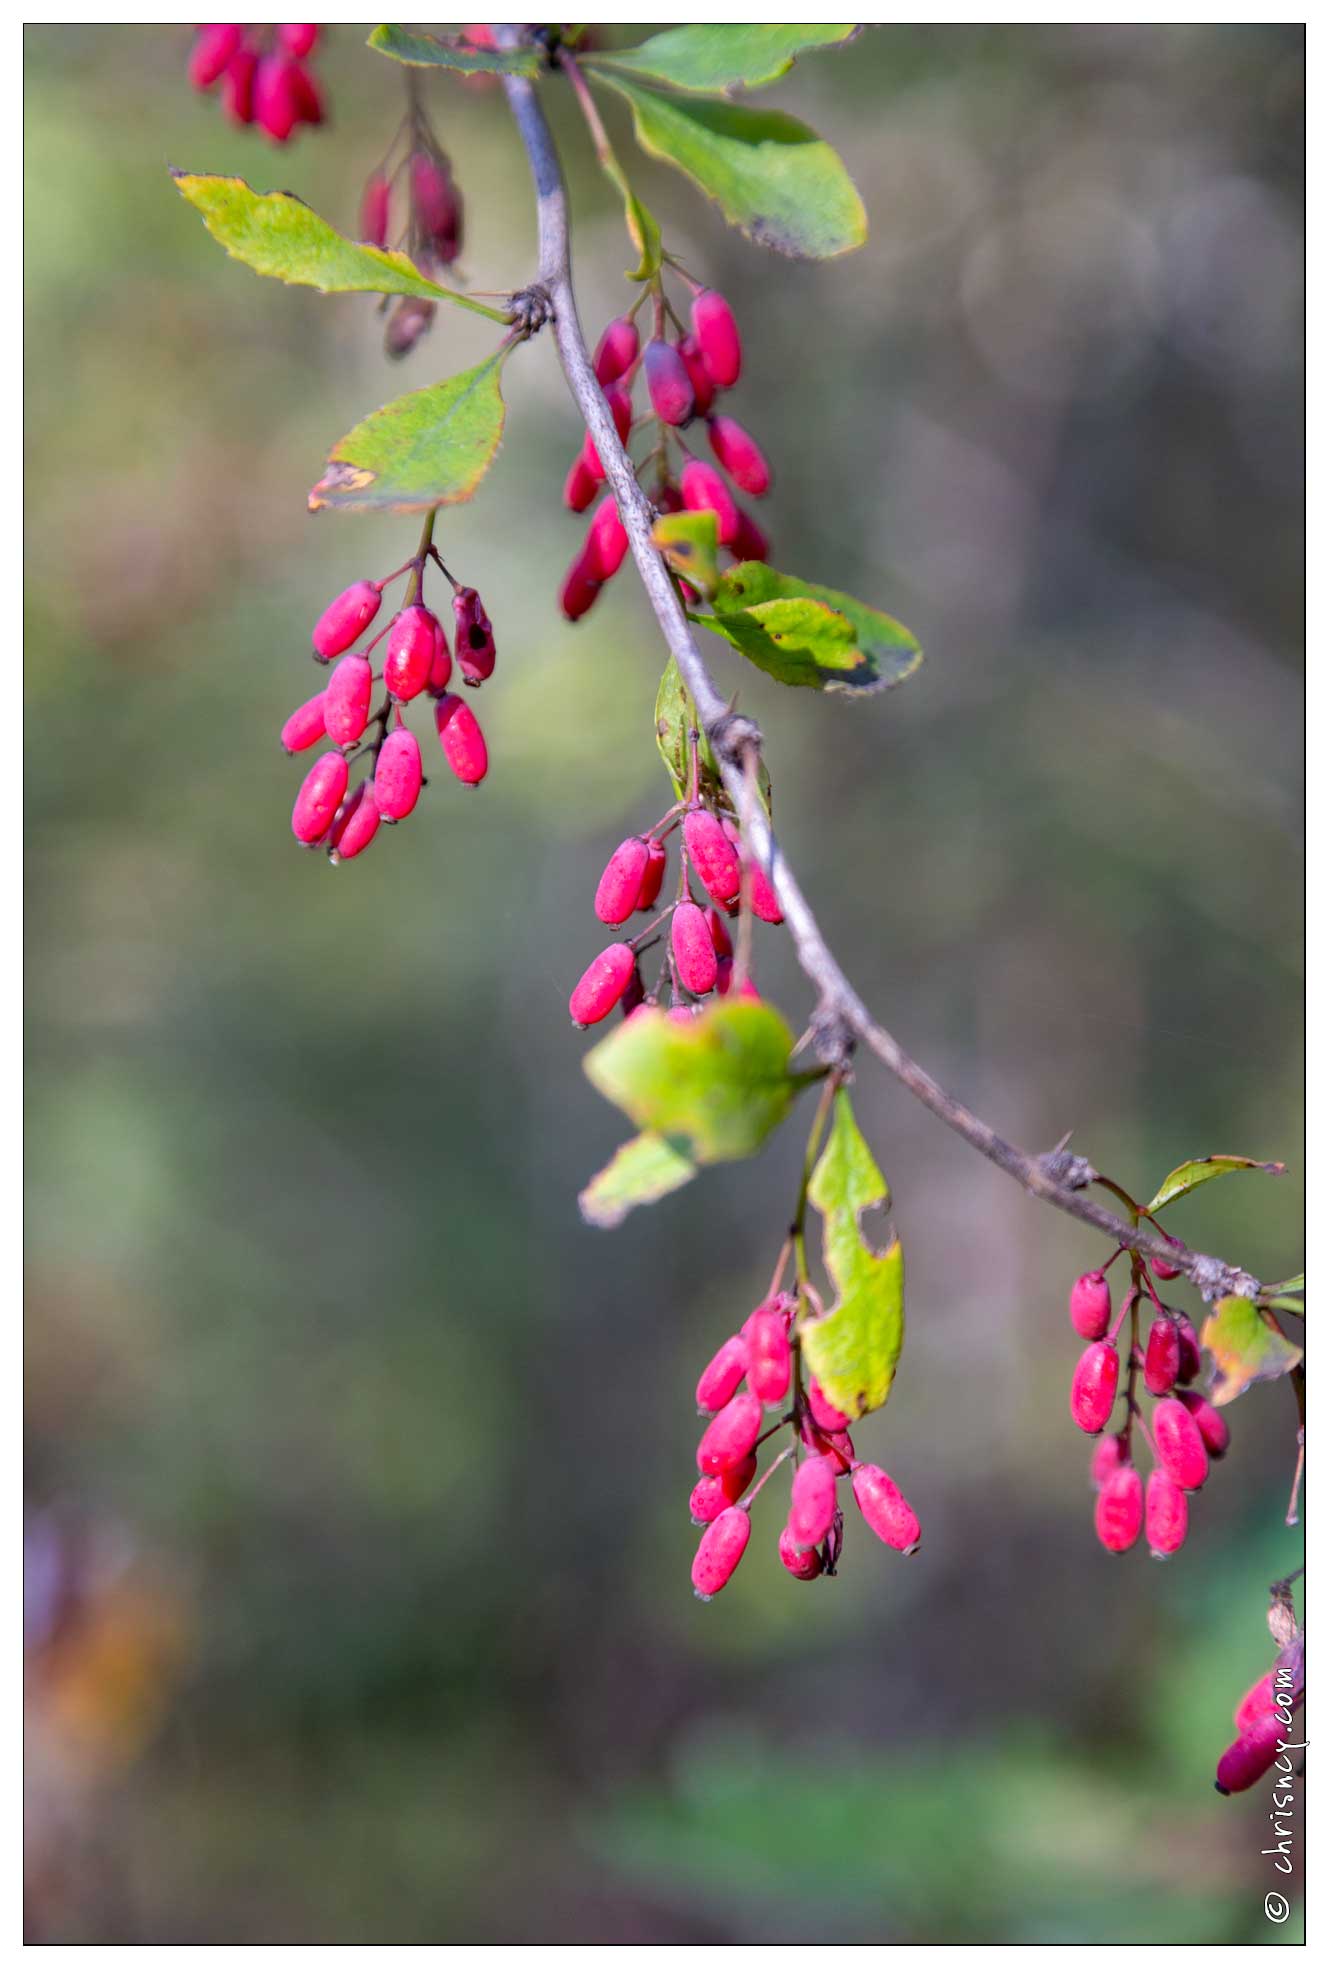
(731, 735)
(531, 307)
(832, 1036)
(1067, 1171)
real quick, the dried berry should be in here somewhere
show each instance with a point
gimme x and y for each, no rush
(461, 738)
(601, 984)
(474, 642)
(722, 1546)
(344, 619)
(320, 795)
(694, 953)
(1119, 1511)
(1166, 1514)
(1094, 1387)
(1091, 1306)
(1179, 1445)
(346, 699)
(399, 774)
(886, 1510)
(731, 1435)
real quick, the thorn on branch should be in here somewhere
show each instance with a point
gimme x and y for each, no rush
(1067, 1171)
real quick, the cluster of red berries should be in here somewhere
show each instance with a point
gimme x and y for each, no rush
(261, 74)
(429, 226)
(763, 1354)
(699, 955)
(328, 811)
(683, 378)
(1187, 1430)
(1263, 1720)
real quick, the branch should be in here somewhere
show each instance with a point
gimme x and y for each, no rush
(841, 1018)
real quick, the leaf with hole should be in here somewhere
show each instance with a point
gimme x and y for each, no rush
(708, 60)
(854, 1346)
(1246, 1346)
(420, 50)
(642, 1171)
(430, 448)
(1189, 1175)
(809, 636)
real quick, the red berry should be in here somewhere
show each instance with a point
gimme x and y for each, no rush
(719, 934)
(722, 1546)
(580, 485)
(346, 699)
(581, 585)
(703, 384)
(305, 725)
(766, 1333)
(601, 985)
(606, 541)
(1091, 1306)
(616, 350)
(237, 87)
(740, 454)
(1109, 1452)
(620, 885)
(298, 40)
(344, 619)
(704, 491)
(412, 647)
(716, 330)
(1214, 1432)
(667, 383)
(765, 903)
(710, 1495)
(731, 1435)
(694, 953)
(211, 54)
(1094, 1387)
(836, 1445)
(356, 824)
(308, 95)
(1190, 1351)
(1178, 1444)
(712, 855)
(276, 96)
(375, 209)
(321, 794)
(803, 1564)
(475, 637)
(657, 858)
(409, 320)
(812, 1501)
(1166, 1513)
(1245, 1762)
(749, 542)
(1160, 1267)
(1255, 1704)
(620, 409)
(724, 974)
(1119, 1511)
(437, 205)
(399, 774)
(824, 1413)
(440, 668)
(886, 1510)
(1162, 1356)
(721, 1375)
(461, 738)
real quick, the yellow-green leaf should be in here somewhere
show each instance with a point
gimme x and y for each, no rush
(803, 634)
(690, 543)
(430, 448)
(420, 50)
(854, 1346)
(642, 1171)
(1189, 1175)
(1246, 1347)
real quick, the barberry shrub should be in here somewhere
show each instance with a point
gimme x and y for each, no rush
(703, 1067)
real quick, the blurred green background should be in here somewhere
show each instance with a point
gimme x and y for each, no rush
(358, 1539)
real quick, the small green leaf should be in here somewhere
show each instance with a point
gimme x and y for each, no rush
(1246, 1347)
(1189, 1175)
(642, 1171)
(714, 1087)
(644, 234)
(430, 448)
(420, 50)
(802, 634)
(675, 719)
(690, 544)
(708, 60)
(854, 1347)
(771, 176)
(276, 233)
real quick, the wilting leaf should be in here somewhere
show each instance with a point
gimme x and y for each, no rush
(771, 176)
(690, 544)
(803, 634)
(1189, 1175)
(430, 448)
(675, 718)
(1246, 1347)
(853, 1347)
(420, 50)
(708, 60)
(642, 1171)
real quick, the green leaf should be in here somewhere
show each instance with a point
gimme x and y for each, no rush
(714, 1087)
(853, 1348)
(708, 60)
(419, 50)
(1189, 1175)
(690, 543)
(771, 176)
(675, 719)
(430, 448)
(642, 1171)
(276, 233)
(644, 234)
(803, 634)
(1246, 1347)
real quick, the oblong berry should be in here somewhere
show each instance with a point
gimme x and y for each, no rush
(765, 903)
(237, 87)
(1091, 1306)
(886, 1510)
(811, 1501)
(703, 383)
(731, 1435)
(343, 619)
(1190, 1351)
(409, 320)
(308, 95)
(824, 1413)
(716, 331)
(399, 774)
(1108, 1453)
(1160, 1267)
(440, 669)
(836, 1445)
(276, 96)
(657, 858)
(694, 953)
(1094, 1386)
(211, 54)
(803, 1563)
(356, 824)
(721, 1375)
(438, 205)
(667, 382)
(298, 40)
(320, 795)
(1245, 1762)
(616, 350)
(1255, 1704)
(722, 1546)
(1119, 1509)
(710, 1495)
(580, 486)
(749, 542)
(305, 725)
(1162, 1356)
(618, 888)
(766, 1332)
(712, 855)
(581, 585)
(474, 642)
(720, 936)
(1166, 1514)
(740, 454)
(620, 409)
(1178, 1444)
(462, 740)
(346, 699)
(606, 541)
(704, 491)
(412, 647)
(601, 985)
(375, 209)
(1214, 1432)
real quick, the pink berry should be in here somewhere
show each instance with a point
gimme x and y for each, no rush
(766, 1333)
(657, 858)
(712, 855)
(1245, 1762)
(731, 1435)
(721, 1376)
(408, 322)
(461, 738)
(581, 585)
(703, 384)
(375, 209)
(716, 331)
(616, 350)
(440, 668)
(620, 885)
(722, 1546)
(812, 1501)
(356, 824)
(1091, 1306)
(704, 491)
(620, 409)
(824, 1413)
(606, 541)
(1094, 1386)
(836, 1445)
(298, 40)
(710, 1495)
(1166, 1513)
(601, 985)
(437, 205)
(399, 774)
(346, 699)
(1119, 1510)
(1255, 1704)
(344, 619)
(741, 455)
(1160, 1267)
(211, 55)
(765, 903)
(749, 542)
(308, 95)
(802, 1563)
(580, 485)
(412, 646)
(1214, 1432)
(720, 934)
(1190, 1351)
(320, 795)
(1178, 1444)
(694, 953)
(1108, 1454)
(237, 87)
(305, 725)
(475, 637)
(667, 383)
(276, 97)
(1162, 1356)
(885, 1509)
